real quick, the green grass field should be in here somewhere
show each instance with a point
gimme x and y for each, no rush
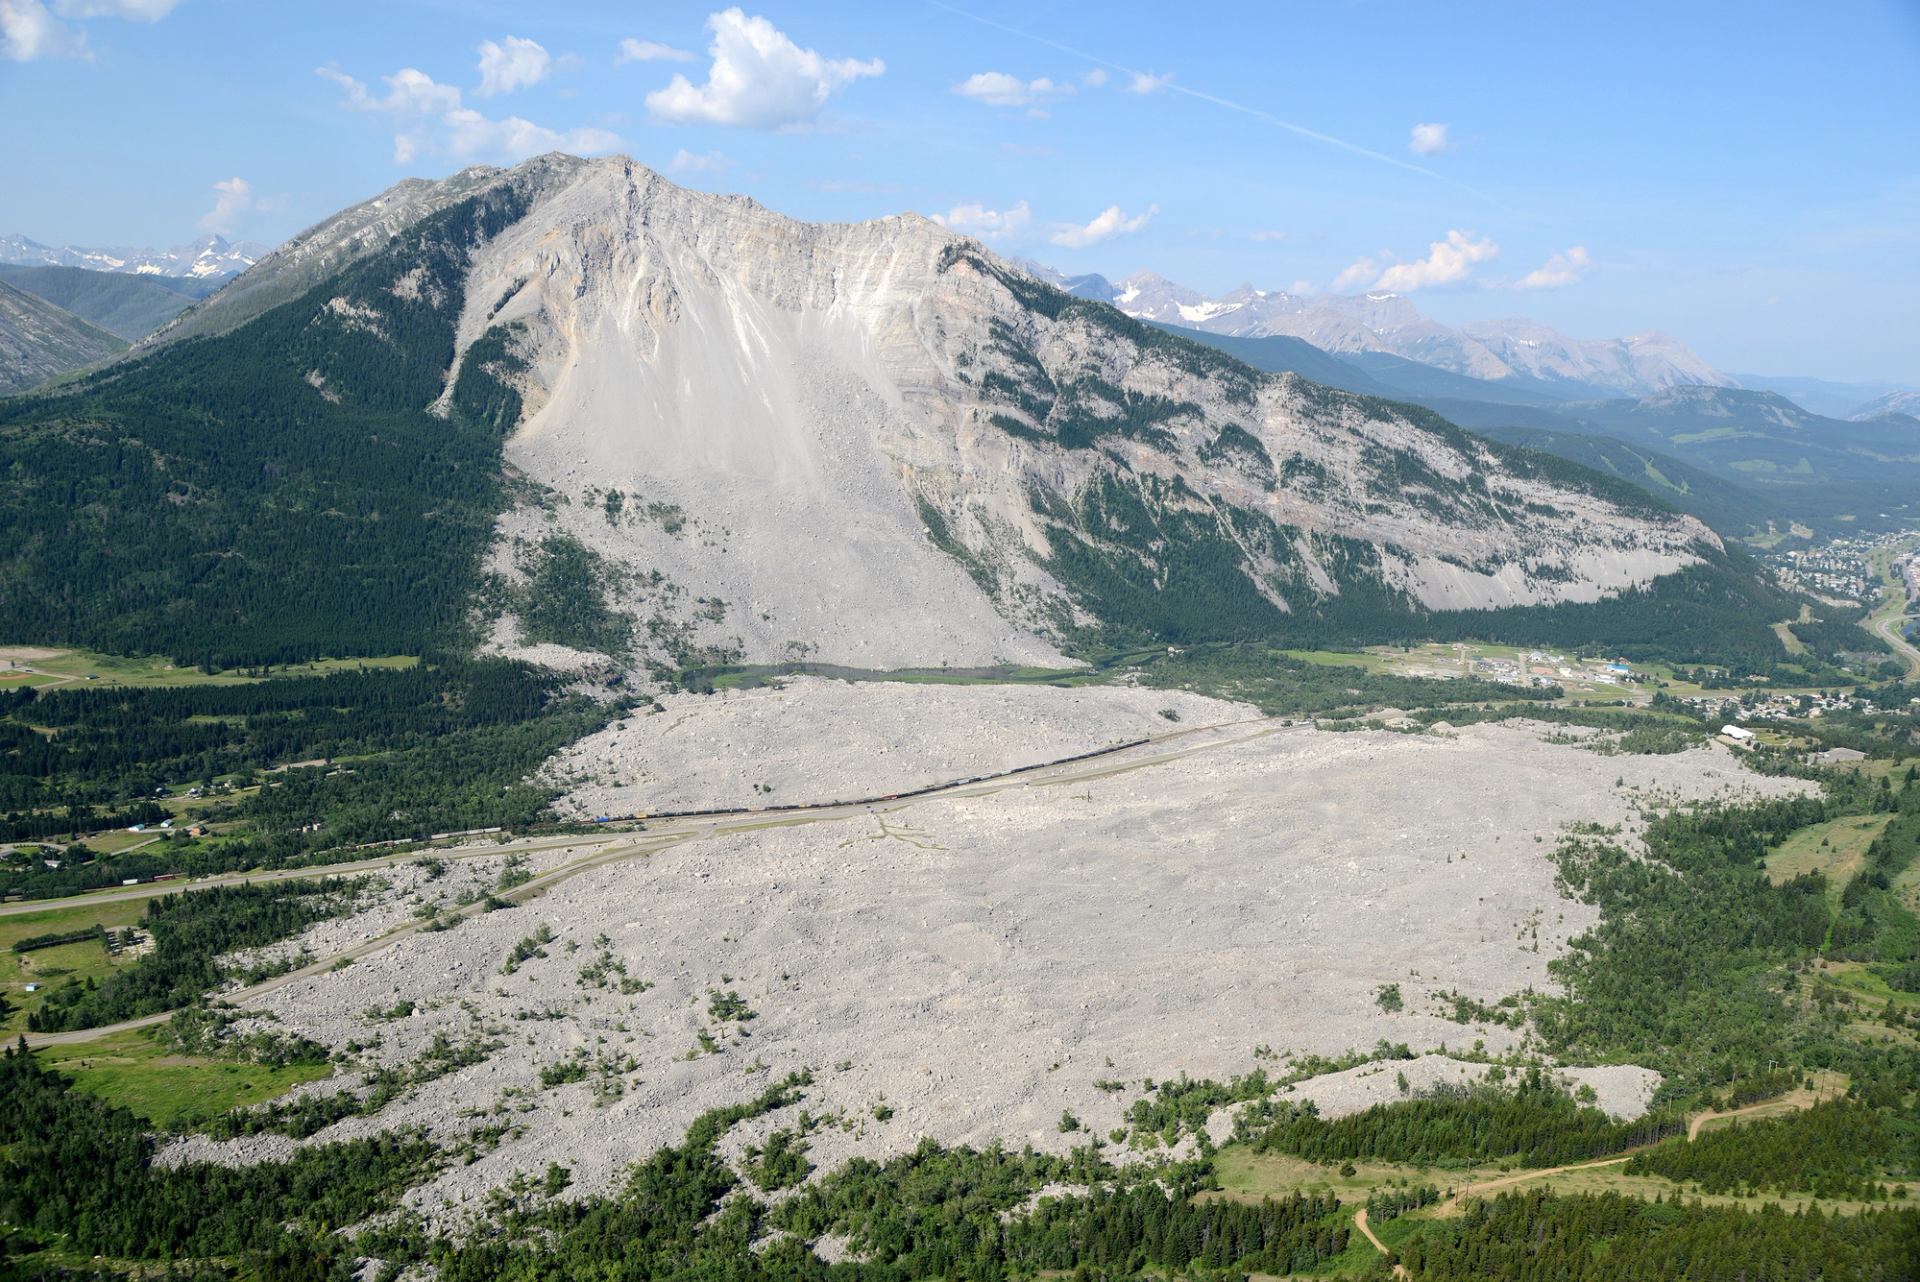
(1250, 1176)
(1835, 848)
(1860, 980)
(140, 1072)
(48, 667)
(49, 967)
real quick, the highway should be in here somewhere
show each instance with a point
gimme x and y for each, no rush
(602, 850)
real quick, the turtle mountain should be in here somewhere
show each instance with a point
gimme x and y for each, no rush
(572, 412)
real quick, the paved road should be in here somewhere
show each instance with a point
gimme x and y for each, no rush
(615, 848)
(1889, 628)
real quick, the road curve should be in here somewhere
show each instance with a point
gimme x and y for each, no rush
(1889, 628)
(1360, 1222)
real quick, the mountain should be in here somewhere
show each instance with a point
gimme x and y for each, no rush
(39, 341)
(210, 257)
(1902, 403)
(1807, 466)
(326, 248)
(571, 411)
(1523, 353)
(1821, 395)
(127, 306)
(1780, 461)
(1729, 508)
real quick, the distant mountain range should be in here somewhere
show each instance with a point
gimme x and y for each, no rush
(54, 320)
(1524, 353)
(1770, 458)
(210, 257)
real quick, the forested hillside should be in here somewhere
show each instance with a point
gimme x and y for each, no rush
(277, 493)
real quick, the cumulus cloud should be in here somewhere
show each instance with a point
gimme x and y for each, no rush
(1358, 273)
(232, 199)
(700, 162)
(759, 78)
(1429, 140)
(1563, 268)
(984, 223)
(1095, 78)
(632, 50)
(1148, 82)
(29, 30)
(998, 89)
(512, 64)
(1447, 262)
(431, 119)
(1107, 224)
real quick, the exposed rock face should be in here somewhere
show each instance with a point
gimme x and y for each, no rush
(877, 444)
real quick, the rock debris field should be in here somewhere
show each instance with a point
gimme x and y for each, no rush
(814, 740)
(981, 965)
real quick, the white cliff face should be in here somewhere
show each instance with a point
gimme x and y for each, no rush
(876, 444)
(752, 389)
(788, 421)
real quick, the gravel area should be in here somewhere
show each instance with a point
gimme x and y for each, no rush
(1621, 1090)
(981, 965)
(763, 747)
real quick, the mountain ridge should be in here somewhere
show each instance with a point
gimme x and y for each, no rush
(209, 257)
(1386, 322)
(730, 433)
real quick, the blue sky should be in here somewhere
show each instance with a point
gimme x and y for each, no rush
(1747, 177)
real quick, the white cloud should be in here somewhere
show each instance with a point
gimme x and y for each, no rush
(1447, 262)
(1267, 234)
(759, 78)
(232, 198)
(1563, 268)
(472, 136)
(700, 162)
(632, 50)
(134, 10)
(1149, 82)
(998, 89)
(986, 224)
(1358, 272)
(410, 91)
(431, 120)
(1107, 224)
(512, 64)
(1429, 140)
(29, 30)
(1094, 79)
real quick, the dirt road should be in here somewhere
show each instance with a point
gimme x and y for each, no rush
(1791, 1100)
(1360, 1222)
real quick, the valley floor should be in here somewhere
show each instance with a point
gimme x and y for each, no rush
(1009, 965)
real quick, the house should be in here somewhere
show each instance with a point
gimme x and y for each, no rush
(1739, 734)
